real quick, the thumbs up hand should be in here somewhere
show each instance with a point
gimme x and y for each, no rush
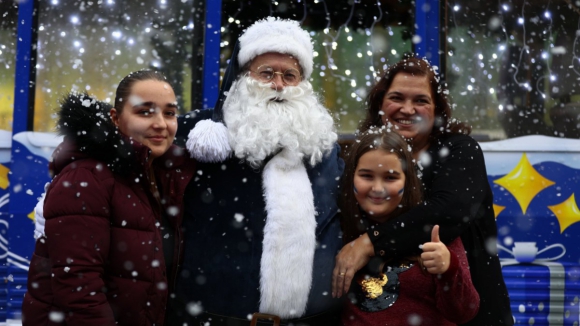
(435, 256)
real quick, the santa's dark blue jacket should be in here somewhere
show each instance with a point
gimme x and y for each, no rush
(221, 263)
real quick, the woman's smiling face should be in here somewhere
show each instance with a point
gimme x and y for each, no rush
(149, 115)
(409, 107)
(379, 183)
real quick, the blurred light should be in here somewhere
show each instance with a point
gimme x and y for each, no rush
(353, 95)
(450, 40)
(190, 25)
(62, 33)
(130, 41)
(500, 107)
(315, 54)
(456, 8)
(74, 19)
(472, 80)
(505, 7)
(544, 55)
(353, 83)
(520, 21)
(491, 91)
(347, 72)
(110, 2)
(143, 51)
(393, 51)
(369, 53)
(116, 34)
(54, 2)
(494, 56)
(41, 28)
(147, 30)
(231, 20)
(502, 47)
(547, 14)
(76, 44)
(469, 87)
(118, 52)
(480, 56)
(359, 55)
(345, 29)
(552, 77)
(82, 50)
(349, 38)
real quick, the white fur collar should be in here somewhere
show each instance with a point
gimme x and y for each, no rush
(289, 237)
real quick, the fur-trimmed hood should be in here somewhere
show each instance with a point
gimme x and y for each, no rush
(89, 132)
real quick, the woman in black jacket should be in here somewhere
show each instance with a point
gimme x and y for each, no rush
(410, 100)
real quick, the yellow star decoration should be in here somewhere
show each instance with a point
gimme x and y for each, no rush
(3, 176)
(524, 183)
(497, 209)
(567, 213)
(31, 215)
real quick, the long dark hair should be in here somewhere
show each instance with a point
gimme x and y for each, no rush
(416, 67)
(125, 86)
(376, 139)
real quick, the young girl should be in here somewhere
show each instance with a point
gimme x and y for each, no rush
(112, 239)
(432, 288)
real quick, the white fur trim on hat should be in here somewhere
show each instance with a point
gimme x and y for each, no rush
(278, 36)
(208, 142)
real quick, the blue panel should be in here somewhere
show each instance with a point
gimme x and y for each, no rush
(24, 189)
(23, 67)
(211, 57)
(428, 21)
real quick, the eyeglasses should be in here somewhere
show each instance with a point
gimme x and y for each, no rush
(290, 77)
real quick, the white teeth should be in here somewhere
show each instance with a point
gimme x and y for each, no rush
(405, 122)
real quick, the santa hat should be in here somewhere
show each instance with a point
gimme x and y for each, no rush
(208, 140)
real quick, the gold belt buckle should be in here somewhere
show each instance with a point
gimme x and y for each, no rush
(255, 316)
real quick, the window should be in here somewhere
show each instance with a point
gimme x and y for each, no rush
(514, 67)
(91, 45)
(8, 19)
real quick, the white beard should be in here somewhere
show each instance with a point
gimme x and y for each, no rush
(261, 121)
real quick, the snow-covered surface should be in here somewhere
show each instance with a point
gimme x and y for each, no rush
(533, 143)
(39, 143)
(501, 156)
(12, 322)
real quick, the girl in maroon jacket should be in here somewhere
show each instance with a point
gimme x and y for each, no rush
(435, 288)
(112, 239)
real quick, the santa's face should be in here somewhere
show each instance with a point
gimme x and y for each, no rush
(276, 69)
(263, 119)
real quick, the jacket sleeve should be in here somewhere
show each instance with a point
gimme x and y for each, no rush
(458, 188)
(77, 209)
(456, 297)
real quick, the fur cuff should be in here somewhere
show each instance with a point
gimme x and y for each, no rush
(208, 142)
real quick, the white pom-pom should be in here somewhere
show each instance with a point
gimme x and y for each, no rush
(208, 142)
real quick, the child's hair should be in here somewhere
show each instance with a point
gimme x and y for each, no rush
(126, 84)
(376, 139)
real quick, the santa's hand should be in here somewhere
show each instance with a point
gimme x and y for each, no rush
(435, 256)
(352, 257)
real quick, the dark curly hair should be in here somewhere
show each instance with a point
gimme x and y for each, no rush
(416, 67)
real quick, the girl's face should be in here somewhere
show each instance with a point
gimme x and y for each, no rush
(409, 106)
(379, 183)
(149, 115)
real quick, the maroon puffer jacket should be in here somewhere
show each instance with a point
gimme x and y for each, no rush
(102, 262)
